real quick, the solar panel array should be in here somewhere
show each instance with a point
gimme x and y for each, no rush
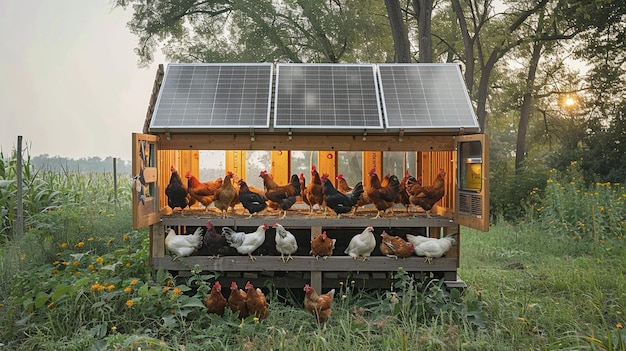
(313, 97)
(425, 96)
(209, 96)
(327, 96)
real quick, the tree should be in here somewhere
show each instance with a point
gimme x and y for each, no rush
(260, 30)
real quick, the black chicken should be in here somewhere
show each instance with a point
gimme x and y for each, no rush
(214, 244)
(338, 201)
(176, 192)
(251, 201)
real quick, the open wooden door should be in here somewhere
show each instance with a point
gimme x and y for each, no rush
(472, 189)
(145, 186)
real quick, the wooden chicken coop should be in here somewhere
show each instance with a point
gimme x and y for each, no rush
(345, 118)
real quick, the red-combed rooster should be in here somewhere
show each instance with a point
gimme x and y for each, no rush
(342, 184)
(215, 302)
(426, 196)
(383, 198)
(318, 305)
(256, 302)
(204, 193)
(313, 192)
(225, 194)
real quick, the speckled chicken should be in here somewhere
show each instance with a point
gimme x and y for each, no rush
(245, 243)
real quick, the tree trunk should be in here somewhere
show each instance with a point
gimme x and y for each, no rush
(401, 44)
(527, 101)
(468, 45)
(424, 11)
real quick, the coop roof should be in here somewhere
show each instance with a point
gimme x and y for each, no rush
(313, 98)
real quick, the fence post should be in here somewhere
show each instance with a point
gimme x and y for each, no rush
(19, 223)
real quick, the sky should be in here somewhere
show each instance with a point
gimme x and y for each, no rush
(70, 84)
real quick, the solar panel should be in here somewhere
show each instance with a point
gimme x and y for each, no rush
(328, 97)
(422, 97)
(213, 96)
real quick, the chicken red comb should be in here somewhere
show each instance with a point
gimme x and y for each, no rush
(323, 234)
(233, 285)
(230, 173)
(307, 287)
(209, 225)
(263, 172)
(406, 172)
(188, 174)
(339, 176)
(218, 285)
(372, 171)
(301, 175)
(249, 285)
(313, 168)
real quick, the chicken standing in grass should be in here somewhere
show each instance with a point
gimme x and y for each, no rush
(362, 245)
(286, 242)
(318, 305)
(237, 301)
(256, 302)
(215, 302)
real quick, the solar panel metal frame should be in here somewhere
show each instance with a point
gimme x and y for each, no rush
(414, 104)
(258, 122)
(330, 127)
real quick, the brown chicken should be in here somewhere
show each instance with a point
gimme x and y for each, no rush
(426, 196)
(203, 193)
(302, 187)
(225, 194)
(215, 301)
(237, 301)
(383, 198)
(313, 192)
(318, 305)
(395, 246)
(342, 184)
(322, 246)
(281, 197)
(256, 302)
(403, 196)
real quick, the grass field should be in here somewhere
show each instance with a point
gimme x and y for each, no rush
(79, 280)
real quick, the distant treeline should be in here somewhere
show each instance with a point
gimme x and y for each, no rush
(85, 165)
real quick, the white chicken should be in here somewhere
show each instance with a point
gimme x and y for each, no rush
(434, 248)
(245, 243)
(286, 242)
(416, 240)
(362, 245)
(183, 245)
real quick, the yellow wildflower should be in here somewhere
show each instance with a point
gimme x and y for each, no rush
(171, 311)
(128, 289)
(549, 181)
(64, 245)
(130, 303)
(75, 263)
(99, 260)
(90, 239)
(113, 328)
(91, 268)
(177, 291)
(133, 282)
(125, 237)
(55, 263)
(80, 244)
(127, 265)
(619, 326)
(55, 271)
(111, 287)
(77, 273)
(256, 319)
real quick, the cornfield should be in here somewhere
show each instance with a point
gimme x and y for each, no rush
(45, 190)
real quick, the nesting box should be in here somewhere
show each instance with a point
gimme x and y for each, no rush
(346, 118)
